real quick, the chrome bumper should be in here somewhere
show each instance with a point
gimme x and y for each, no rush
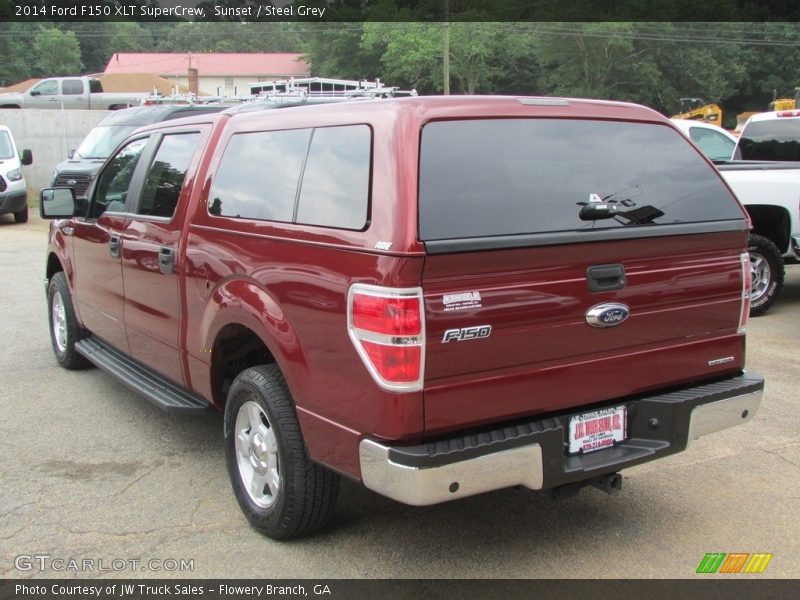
(433, 485)
(542, 443)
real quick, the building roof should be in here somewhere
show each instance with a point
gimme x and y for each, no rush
(252, 64)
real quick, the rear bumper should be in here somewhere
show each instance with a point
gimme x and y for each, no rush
(532, 454)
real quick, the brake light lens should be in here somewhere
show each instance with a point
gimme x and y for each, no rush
(387, 328)
(747, 283)
(789, 113)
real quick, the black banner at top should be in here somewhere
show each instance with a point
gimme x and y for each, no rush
(398, 10)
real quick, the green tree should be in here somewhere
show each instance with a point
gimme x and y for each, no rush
(57, 53)
(15, 50)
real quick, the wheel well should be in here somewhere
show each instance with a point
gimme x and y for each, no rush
(10, 106)
(235, 349)
(53, 266)
(772, 222)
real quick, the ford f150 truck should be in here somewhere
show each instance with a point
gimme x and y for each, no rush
(436, 297)
(70, 93)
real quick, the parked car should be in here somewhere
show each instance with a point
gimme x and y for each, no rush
(78, 170)
(13, 192)
(436, 297)
(70, 93)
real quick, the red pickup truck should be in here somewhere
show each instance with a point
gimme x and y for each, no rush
(434, 296)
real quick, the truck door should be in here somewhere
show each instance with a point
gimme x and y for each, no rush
(98, 245)
(73, 94)
(151, 251)
(44, 95)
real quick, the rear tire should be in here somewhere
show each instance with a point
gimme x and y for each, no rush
(21, 216)
(766, 264)
(280, 490)
(64, 328)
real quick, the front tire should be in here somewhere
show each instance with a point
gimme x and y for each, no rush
(766, 270)
(280, 490)
(64, 328)
(21, 216)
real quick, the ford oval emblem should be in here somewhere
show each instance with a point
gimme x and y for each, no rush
(607, 315)
(71, 182)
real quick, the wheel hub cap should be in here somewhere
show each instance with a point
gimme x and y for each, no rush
(257, 455)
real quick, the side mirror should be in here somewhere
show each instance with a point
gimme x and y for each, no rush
(57, 203)
(72, 153)
(27, 157)
(35, 93)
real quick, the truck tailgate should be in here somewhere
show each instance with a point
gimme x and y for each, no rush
(571, 263)
(539, 353)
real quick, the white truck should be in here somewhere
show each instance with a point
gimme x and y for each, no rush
(770, 191)
(71, 93)
(765, 176)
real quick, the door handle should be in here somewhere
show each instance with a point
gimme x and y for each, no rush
(606, 278)
(114, 245)
(166, 260)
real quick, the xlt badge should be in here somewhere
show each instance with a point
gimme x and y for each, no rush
(467, 333)
(607, 314)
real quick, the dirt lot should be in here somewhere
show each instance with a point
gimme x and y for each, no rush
(91, 471)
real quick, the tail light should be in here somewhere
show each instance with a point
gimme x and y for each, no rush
(747, 283)
(789, 113)
(387, 327)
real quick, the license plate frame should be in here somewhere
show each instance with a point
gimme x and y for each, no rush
(597, 430)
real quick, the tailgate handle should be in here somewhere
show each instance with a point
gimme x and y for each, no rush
(606, 278)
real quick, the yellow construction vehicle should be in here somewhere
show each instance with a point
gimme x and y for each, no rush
(698, 109)
(785, 103)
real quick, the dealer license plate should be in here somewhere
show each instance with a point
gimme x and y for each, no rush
(597, 429)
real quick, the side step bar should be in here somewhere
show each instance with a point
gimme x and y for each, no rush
(160, 391)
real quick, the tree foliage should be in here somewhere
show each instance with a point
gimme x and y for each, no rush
(57, 52)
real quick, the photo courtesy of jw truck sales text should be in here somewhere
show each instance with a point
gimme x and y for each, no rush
(335, 333)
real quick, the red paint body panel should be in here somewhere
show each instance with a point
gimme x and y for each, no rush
(288, 284)
(98, 288)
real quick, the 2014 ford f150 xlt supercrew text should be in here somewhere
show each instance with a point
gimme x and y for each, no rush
(437, 297)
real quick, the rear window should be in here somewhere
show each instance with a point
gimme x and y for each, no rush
(502, 177)
(777, 139)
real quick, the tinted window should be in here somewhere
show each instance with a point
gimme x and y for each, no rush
(112, 185)
(164, 181)
(778, 139)
(95, 87)
(713, 143)
(517, 176)
(259, 174)
(72, 87)
(335, 187)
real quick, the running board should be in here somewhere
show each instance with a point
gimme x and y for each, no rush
(166, 395)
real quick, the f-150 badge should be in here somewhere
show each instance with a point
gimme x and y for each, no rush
(467, 333)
